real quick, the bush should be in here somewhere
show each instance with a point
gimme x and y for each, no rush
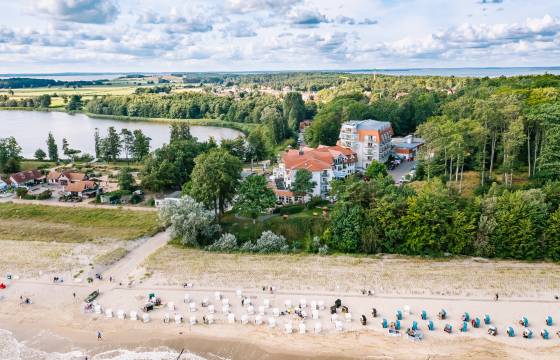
(316, 201)
(226, 242)
(289, 209)
(47, 194)
(21, 192)
(270, 242)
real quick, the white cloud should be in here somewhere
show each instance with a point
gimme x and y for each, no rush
(276, 6)
(80, 11)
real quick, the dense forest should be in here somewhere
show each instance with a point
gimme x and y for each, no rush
(22, 83)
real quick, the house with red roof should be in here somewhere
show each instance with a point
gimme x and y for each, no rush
(26, 178)
(325, 163)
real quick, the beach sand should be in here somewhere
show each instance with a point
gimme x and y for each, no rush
(55, 323)
(55, 326)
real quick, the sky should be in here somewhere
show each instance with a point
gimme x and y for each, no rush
(257, 35)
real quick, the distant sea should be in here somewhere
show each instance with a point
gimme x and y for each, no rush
(466, 72)
(457, 72)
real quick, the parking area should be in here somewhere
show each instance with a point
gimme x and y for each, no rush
(403, 169)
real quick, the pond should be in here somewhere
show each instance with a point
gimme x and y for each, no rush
(31, 128)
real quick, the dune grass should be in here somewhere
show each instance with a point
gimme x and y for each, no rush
(387, 275)
(66, 224)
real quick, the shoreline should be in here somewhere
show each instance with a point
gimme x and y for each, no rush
(61, 318)
(244, 128)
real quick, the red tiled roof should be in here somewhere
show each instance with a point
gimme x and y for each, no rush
(315, 159)
(80, 186)
(74, 176)
(53, 175)
(24, 176)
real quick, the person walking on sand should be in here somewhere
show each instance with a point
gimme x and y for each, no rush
(496, 297)
(99, 337)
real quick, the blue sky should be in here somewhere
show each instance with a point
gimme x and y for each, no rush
(241, 35)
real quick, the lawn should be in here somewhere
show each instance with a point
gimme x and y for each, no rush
(66, 224)
(35, 164)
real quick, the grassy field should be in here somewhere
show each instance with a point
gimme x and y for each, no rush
(391, 275)
(74, 225)
(84, 91)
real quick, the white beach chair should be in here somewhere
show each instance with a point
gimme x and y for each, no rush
(318, 327)
(210, 319)
(258, 320)
(348, 317)
(211, 309)
(205, 302)
(192, 320)
(238, 292)
(170, 306)
(231, 318)
(321, 305)
(338, 326)
(121, 314)
(244, 319)
(250, 310)
(178, 318)
(288, 328)
(275, 312)
(133, 315)
(248, 301)
(271, 322)
(187, 299)
(334, 317)
(302, 328)
(314, 305)
(315, 314)
(406, 310)
(217, 295)
(266, 303)
(192, 307)
(261, 310)
(225, 301)
(97, 309)
(108, 313)
(302, 303)
(225, 309)
(145, 318)
(165, 318)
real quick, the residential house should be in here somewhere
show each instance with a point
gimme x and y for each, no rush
(26, 178)
(3, 185)
(325, 163)
(81, 188)
(406, 147)
(370, 139)
(65, 177)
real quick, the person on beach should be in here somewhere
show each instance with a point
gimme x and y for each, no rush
(99, 337)
(496, 297)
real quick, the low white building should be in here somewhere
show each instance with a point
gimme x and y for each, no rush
(325, 164)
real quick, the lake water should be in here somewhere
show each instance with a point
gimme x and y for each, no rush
(31, 128)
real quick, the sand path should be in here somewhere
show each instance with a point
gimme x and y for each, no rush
(128, 268)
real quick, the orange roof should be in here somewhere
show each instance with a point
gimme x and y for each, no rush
(74, 176)
(315, 159)
(53, 175)
(279, 192)
(80, 186)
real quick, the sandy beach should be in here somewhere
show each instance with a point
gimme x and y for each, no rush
(55, 325)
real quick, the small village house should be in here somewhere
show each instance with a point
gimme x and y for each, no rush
(65, 177)
(81, 188)
(26, 178)
(325, 164)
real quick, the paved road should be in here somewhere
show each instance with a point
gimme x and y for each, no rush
(403, 169)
